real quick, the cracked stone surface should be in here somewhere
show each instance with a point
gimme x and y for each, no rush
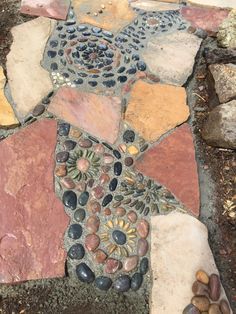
(29, 206)
(56, 9)
(7, 115)
(154, 109)
(172, 163)
(175, 47)
(29, 40)
(185, 239)
(115, 14)
(220, 128)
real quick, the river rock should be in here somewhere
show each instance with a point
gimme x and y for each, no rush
(191, 309)
(130, 263)
(220, 128)
(201, 302)
(215, 287)
(214, 309)
(92, 241)
(112, 265)
(199, 288)
(224, 306)
(202, 276)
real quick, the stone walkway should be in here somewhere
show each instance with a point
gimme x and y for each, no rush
(100, 172)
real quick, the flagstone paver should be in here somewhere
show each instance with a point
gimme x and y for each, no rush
(172, 163)
(110, 15)
(33, 221)
(56, 9)
(214, 3)
(154, 109)
(7, 115)
(152, 5)
(227, 31)
(225, 81)
(173, 47)
(220, 128)
(208, 19)
(179, 248)
(23, 65)
(96, 114)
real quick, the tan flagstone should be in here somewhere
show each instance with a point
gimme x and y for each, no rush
(154, 109)
(215, 3)
(115, 14)
(28, 81)
(7, 115)
(179, 248)
(151, 5)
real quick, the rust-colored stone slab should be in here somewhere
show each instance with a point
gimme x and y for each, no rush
(56, 9)
(208, 19)
(173, 164)
(98, 115)
(110, 15)
(32, 219)
(154, 109)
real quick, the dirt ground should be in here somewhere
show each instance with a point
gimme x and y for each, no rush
(217, 170)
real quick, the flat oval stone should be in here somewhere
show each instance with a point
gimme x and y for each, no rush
(108, 159)
(84, 273)
(133, 150)
(117, 168)
(68, 183)
(104, 178)
(81, 186)
(92, 241)
(94, 207)
(83, 198)
(120, 211)
(129, 161)
(130, 263)
(70, 199)
(75, 231)
(122, 284)
(69, 145)
(100, 256)
(201, 302)
(103, 283)
(143, 228)
(79, 215)
(142, 247)
(92, 224)
(63, 129)
(117, 154)
(191, 309)
(132, 216)
(62, 156)
(107, 199)
(85, 143)
(112, 265)
(99, 149)
(200, 288)
(38, 110)
(136, 281)
(144, 265)
(129, 136)
(202, 276)
(98, 192)
(76, 251)
(113, 184)
(214, 309)
(119, 237)
(215, 287)
(224, 307)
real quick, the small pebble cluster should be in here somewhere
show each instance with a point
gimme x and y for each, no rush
(207, 296)
(109, 204)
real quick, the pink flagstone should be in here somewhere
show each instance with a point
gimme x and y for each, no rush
(96, 114)
(173, 164)
(32, 218)
(56, 9)
(208, 19)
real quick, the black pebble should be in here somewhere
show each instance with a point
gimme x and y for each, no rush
(144, 266)
(141, 66)
(107, 34)
(70, 199)
(117, 154)
(82, 28)
(63, 129)
(78, 81)
(122, 78)
(76, 251)
(75, 231)
(79, 215)
(38, 110)
(62, 156)
(117, 168)
(109, 83)
(129, 136)
(121, 70)
(103, 283)
(119, 237)
(136, 281)
(107, 199)
(93, 139)
(83, 199)
(92, 83)
(53, 43)
(113, 184)
(84, 273)
(54, 66)
(122, 284)
(69, 145)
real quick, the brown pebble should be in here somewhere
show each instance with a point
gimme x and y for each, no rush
(224, 307)
(92, 241)
(129, 161)
(200, 288)
(112, 265)
(92, 224)
(81, 186)
(132, 216)
(202, 276)
(61, 171)
(68, 183)
(38, 110)
(142, 247)
(104, 178)
(85, 143)
(191, 309)
(143, 228)
(120, 211)
(130, 263)
(97, 192)
(75, 133)
(214, 309)
(100, 256)
(201, 302)
(215, 287)
(107, 211)
(94, 207)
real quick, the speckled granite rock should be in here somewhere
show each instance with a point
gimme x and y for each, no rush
(220, 128)
(227, 31)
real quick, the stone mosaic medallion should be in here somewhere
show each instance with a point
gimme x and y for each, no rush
(81, 55)
(109, 205)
